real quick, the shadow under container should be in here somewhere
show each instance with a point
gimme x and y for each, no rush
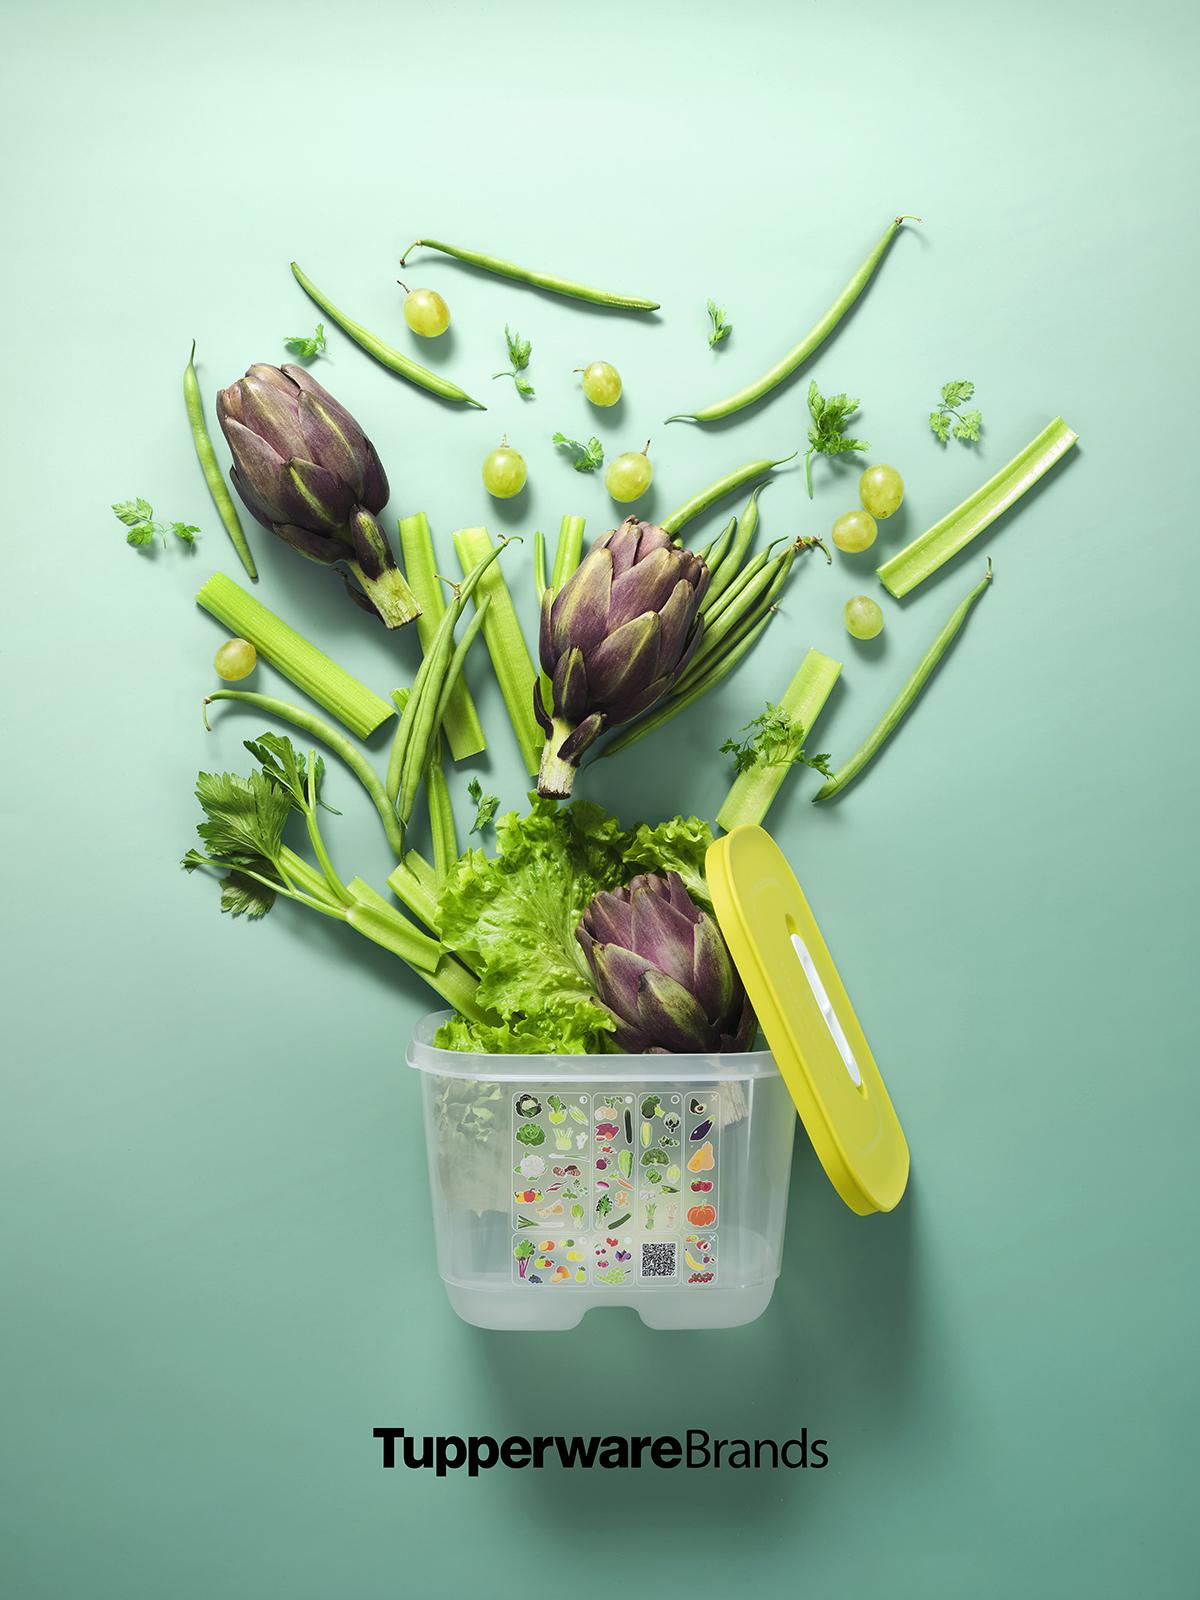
(565, 1182)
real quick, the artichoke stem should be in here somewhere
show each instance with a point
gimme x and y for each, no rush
(389, 593)
(556, 776)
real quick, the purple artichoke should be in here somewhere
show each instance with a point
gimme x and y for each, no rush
(663, 969)
(614, 639)
(308, 472)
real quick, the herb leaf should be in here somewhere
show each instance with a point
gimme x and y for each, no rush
(138, 516)
(307, 348)
(133, 512)
(773, 739)
(243, 896)
(720, 328)
(587, 457)
(826, 433)
(187, 531)
(486, 806)
(243, 817)
(519, 352)
(948, 419)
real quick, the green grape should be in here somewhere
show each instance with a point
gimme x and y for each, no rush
(426, 313)
(601, 383)
(629, 475)
(864, 619)
(881, 490)
(504, 471)
(854, 531)
(237, 658)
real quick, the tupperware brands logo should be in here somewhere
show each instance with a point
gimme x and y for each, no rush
(445, 1453)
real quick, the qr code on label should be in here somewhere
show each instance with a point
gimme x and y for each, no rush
(660, 1258)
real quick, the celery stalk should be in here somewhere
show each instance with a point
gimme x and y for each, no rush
(954, 532)
(751, 793)
(506, 645)
(464, 732)
(360, 709)
(414, 890)
(568, 552)
(448, 977)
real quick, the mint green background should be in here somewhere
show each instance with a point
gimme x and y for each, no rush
(218, 1271)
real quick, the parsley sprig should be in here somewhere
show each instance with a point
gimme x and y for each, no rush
(586, 457)
(773, 739)
(138, 517)
(307, 348)
(486, 806)
(720, 328)
(966, 425)
(826, 433)
(519, 352)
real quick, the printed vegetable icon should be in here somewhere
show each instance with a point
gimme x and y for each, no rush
(702, 1216)
(703, 1160)
(654, 1158)
(613, 640)
(528, 1105)
(625, 1162)
(701, 1130)
(529, 1197)
(651, 1106)
(662, 968)
(557, 1109)
(523, 1251)
(607, 1130)
(532, 1166)
(530, 1133)
(308, 472)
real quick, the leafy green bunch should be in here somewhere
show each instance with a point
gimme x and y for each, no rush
(947, 419)
(827, 430)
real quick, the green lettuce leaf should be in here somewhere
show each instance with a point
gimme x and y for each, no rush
(678, 845)
(513, 918)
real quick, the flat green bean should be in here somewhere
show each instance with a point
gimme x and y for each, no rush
(209, 465)
(537, 280)
(900, 706)
(393, 360)
(811, 341)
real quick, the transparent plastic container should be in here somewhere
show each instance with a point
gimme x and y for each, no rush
(560, 1183)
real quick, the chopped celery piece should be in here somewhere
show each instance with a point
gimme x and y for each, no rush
(506, 644)
(954, 532)
(414, 883)
(568, 551)
(441, 812)
(464, 732)
(371, 914)
(751, 793)
(360, 709)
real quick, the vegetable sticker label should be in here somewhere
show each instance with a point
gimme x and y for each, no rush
(631, 1175)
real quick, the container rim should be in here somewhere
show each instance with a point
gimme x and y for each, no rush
(425, 1056)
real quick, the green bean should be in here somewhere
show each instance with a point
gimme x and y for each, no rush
(537, 280)
(717, 491)
(207, 457)
(441, 811)
(728, 569)
(764, 586)
(738, 585)
(464, 731)
(417, 760)
(679, 699)
(403, 365)
(713, 553)
(511, 661)
(332, 740)
(899, 707)
(811, 341)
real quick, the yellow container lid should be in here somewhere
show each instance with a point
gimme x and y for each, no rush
(809, 1023)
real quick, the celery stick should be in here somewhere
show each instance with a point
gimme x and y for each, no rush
(378, 920)
(751, 793)
(464, 731)
(408, 883)
(449, 977)
(568, 552)
(954, 532)
(360, 709)
(506, 645)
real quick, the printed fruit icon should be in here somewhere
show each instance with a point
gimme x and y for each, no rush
(560, 1274)
(696, 1266)
(702, 1186)
(702, 1216)
(702, 1161)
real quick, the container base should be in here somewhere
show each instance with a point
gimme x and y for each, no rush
(517, 1310)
